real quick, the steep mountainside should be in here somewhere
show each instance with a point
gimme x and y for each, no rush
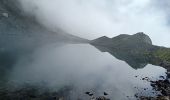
(19, 30)
(137, 50)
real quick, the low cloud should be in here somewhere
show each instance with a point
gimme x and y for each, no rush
(93, 18)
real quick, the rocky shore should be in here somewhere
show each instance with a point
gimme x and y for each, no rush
(162, 86)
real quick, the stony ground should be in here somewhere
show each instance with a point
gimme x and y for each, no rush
(162, 86)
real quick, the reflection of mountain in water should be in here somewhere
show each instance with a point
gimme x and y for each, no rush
(136, 50)
(21, 34)
(135, 61)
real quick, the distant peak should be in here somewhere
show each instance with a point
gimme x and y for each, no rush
(104, 37)
(139, 38)
(140, 34)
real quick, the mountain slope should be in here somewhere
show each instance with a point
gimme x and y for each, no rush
(17, 29)
(137, 50)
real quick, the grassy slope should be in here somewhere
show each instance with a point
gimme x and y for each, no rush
(162, 53)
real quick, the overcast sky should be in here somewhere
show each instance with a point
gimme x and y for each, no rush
(94, 18)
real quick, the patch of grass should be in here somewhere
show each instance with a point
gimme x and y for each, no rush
(163, 54)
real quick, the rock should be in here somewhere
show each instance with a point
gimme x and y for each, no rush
(161, 86)
(165, 64)
(87, 93)
(105, 93)
(145, 38)
(102, 98)
(163, 98)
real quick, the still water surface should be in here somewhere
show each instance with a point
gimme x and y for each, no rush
(86, 69)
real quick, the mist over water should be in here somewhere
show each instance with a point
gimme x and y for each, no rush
(93, 18)
(38, 57)
(84, 68)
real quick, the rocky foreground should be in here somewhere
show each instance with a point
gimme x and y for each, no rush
(162, 86)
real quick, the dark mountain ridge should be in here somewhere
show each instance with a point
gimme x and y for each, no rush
(137, 50)
(123, 40)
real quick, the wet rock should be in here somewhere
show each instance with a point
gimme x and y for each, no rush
(146, 98)
(163, 98)
(162, 86)
(92, 97)
(105, 93)
(89, 93)
(155, 98)
(102, 98)
(162, 77)
(165, 64)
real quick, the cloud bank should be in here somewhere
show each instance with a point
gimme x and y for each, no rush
(93, 18)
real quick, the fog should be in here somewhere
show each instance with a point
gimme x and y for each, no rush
(84, 68)
(93, 18)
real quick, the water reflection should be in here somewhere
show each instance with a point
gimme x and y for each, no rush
(85, 68)
(135, 61)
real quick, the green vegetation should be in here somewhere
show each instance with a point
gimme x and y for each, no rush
(137, 50)
(163, 54)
